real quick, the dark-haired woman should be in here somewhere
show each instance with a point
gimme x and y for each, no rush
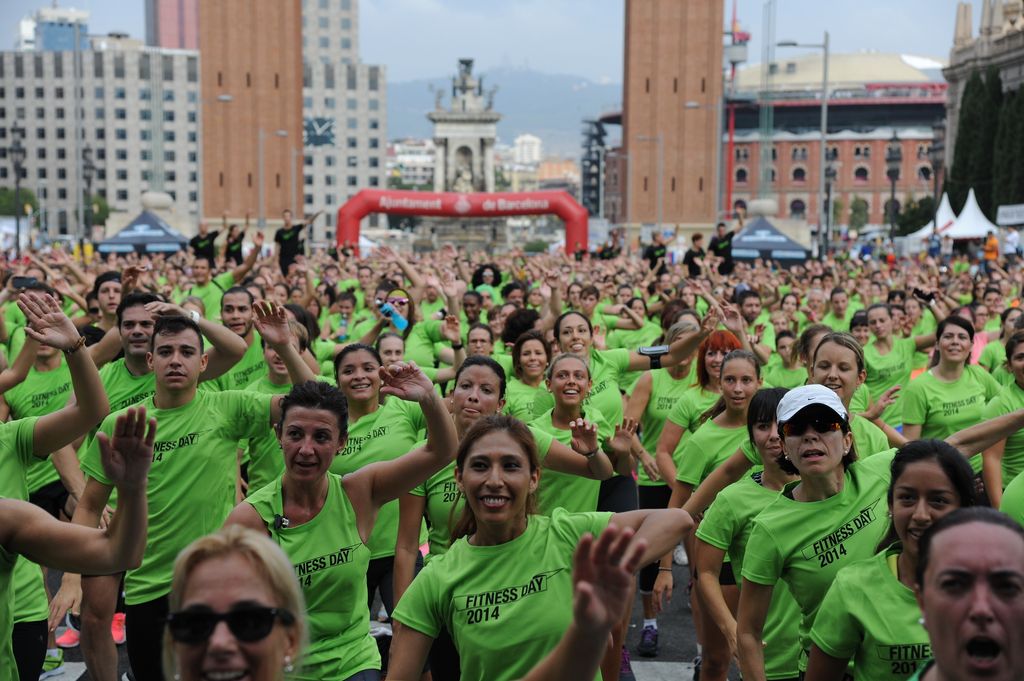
(951, 394)
(890, 360)
(531, 355)
(478, 392)
(829, 520)
(507, 575)
(870, 608)
(324, 521)
(725, 529)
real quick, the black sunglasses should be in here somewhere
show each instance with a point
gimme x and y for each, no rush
(247, 623)
(821, 425)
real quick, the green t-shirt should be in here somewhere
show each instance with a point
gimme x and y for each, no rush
(330, 562)
(192, 480)
(1009, 399)
(266, 461)
(993, 356)
(925, 325)
(391, 431)
(248, 369)
(419, 345)
(805, 544)
(631, 339)
(837, 323)
(666, 392)
(573, 493)
(726, 526)
(885, 371)
(868, 439)
(42, 392)
(123, 388)
(212, 292)
(778, 376)
(944, 408)
(506, 606)
(1013, 499)
(708, 449)
(521, 398)
(861, 399)
(870, 617)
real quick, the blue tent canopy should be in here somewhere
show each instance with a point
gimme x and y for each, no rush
(145, 234)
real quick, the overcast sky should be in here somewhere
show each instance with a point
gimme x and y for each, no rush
(424, 38)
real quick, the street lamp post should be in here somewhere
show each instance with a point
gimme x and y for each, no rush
(88, 172)
(830, 177)
(18, 153)
(893, 160)
(824, 47)
(936, 155)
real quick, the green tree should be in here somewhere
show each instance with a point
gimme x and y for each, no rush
(968, 137)
(837, 210)
(982, 154)
(100, 209)
(7, 201)
(914, 214)
(858, 213)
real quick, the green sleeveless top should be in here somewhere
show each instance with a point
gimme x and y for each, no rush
(330, 563)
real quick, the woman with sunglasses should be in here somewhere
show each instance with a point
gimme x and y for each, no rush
(828, 520)
(870, 608)
(240, 577)
(952, 393)
(326, 522)
(506, 576)
(724, 531)
(479, 392)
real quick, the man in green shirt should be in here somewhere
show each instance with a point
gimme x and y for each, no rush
(194, 474)
(211, 289)
(126, 382)
(840, 311)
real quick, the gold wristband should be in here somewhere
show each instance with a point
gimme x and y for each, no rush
(76, 347)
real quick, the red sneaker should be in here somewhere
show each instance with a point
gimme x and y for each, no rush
(117, 628)
(69, 639)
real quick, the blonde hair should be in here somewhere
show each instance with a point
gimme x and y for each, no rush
(264, 555)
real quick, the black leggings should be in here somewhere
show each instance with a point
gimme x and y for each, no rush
(380, 576)
(652, 496)
(444, 658)
(618, 494)
(29, 642)
(144, 629)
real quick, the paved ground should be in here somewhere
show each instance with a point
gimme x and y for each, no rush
(677, 643)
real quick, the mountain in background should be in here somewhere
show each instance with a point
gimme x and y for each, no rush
(549, 106)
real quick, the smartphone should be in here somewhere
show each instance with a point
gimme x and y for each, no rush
(23, 282)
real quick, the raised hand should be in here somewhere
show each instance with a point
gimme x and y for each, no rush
(584, 436)
(158, 309)
(452, 287)
(710, 321)
(258, 239)
(127, 455)
(451, 330)
(602, 572)
(622, 440)
(406, 381)
(879, 406)
(733, 320)
(47, 323)
(272, 323)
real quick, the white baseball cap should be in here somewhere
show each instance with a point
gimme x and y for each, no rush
(805, 396)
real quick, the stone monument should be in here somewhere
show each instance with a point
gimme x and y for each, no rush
(464, 134)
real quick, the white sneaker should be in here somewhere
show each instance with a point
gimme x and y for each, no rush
(679, 556)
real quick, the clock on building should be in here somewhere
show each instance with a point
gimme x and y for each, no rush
(318, 132)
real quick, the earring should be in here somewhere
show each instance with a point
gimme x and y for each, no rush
(288, 666)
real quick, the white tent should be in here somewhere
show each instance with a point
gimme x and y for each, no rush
(971, 223)
(945, 217)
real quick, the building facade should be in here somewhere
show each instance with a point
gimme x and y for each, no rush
(671, 110)
(527, 149)
(999, 43)
(872, 96)
(344, 108)
(410, 164)
(173, 23)
(137, 115)
(251, 107)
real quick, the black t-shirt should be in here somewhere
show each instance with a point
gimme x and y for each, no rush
(690, 260)
(291, 244)
(722, 246)
(652, 253)
(233, 249)
(202, 246)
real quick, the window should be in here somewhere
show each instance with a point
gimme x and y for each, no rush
(374, 124)
(121, 114)
(58, 65)
(352, 143)
(41, 153)
(168, 95)
(37, 66)
(120, 134)
(329, 102)
(192, 70)
(101, 133)
(797, 209)
(193, 176)
(924, 173)
(100, 114)
(145, 94)
(170, 176)
(742, 154)
(374, 105)
(799, 175)
(168, 116)
(922, 151)
(193, 197)
(146, 155)
(97, 64)
(741, 176)
(346, 24)
(62, 153)
(352, 123)
(193, 96)
(329, 180)
(120, 93)
(40, 173)
(860, 175)
(351, 104)
(346, 5)
(799, 153)
(193, 157)
(374, 181)
(192, 117)
(192, 136)
(352, 181)
(62, 173)
(145, 135)
(121, 174)
(307, 160)
(62, 193)
(19, 93)
(121, 154)
(374, 162)
(119, 66)
(169, 136)
(324, 42)
(146, 115)
(40, 133)
(169, 155)
(40, 93)
(168, 67)
(374, 143)
(322, 22)
(350, 77)
(329, 199)
(307, 74)
(374, 78)
(144, 66)
(307, 179)
(330, 161)
(329, 76)
(122, 194)
(352, 161)
(307, 102)
(40, 112)
(308, 199)
(323, 4)
(60, 112)
(346, 43)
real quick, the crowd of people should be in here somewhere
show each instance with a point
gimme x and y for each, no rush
(234, 453)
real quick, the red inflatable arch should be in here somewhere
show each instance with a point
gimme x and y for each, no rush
(451, 204)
